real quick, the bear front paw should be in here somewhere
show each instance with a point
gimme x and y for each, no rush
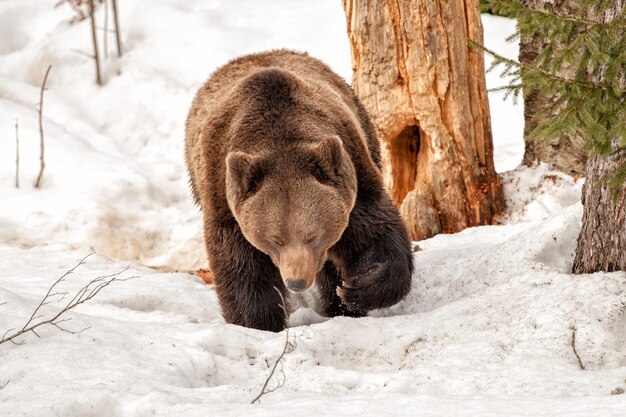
(381, 285)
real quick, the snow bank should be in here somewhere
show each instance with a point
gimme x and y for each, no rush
(537, 192)
(486, 330)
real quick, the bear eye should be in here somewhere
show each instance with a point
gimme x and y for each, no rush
(254, 180)
(276, 241)
(309, 239)
(320, 174)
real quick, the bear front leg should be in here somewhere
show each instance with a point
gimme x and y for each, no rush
(330, 305)
(377, 261)
(248, 285)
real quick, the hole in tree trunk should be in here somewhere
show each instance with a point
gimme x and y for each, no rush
(403, 152)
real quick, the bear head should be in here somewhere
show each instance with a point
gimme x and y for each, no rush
(293, 205)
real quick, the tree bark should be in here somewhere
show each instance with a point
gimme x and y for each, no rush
(425, 90)
(567, 153)
(602, 239)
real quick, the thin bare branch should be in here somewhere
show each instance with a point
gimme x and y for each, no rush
(94, 39)
(45, 298)
(7, 332)
(288, 347)
(116, 22)
(83, 295)
(580, 362)
(42, 162)
(5, 384)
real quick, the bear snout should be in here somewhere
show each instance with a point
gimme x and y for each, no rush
(298, 267)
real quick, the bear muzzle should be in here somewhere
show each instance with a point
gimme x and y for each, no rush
(298, 267)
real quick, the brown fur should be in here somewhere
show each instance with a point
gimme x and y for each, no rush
(285, 165)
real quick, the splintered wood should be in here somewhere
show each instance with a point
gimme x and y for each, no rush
(424, 87)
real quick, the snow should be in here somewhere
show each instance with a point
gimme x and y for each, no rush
(486, 330)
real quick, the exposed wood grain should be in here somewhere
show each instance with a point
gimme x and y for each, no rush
(425, 90)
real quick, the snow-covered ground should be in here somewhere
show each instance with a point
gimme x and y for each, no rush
(486, 331)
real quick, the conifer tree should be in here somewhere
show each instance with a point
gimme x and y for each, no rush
(592, 103)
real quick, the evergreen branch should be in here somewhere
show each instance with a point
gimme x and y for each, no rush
(511, 87)
(570, 48)
(569, 111)
(518, 8)
(539, 71)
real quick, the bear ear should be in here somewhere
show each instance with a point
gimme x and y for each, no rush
(244, 174)
(332, 162)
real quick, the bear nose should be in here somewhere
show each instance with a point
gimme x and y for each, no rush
(296, 284)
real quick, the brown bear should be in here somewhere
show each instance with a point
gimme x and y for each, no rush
(285, 165)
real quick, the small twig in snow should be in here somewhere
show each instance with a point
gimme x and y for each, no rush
(17, 155)
(94, 39)
(42, 162)
(580, 362)
(289, 347)
(5, 384)
(116, 22)
(84, 294)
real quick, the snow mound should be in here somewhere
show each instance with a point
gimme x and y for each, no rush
(537, 192)
(494, 321)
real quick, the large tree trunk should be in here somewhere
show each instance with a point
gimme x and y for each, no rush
(425, 90)
(602, 238)
(567, 153)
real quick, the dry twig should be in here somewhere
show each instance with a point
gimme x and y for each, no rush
(5, 384)
(84, 294)
(580, 362)
(94, 39)
(42, 162)
(117, 28)
(289, 347)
